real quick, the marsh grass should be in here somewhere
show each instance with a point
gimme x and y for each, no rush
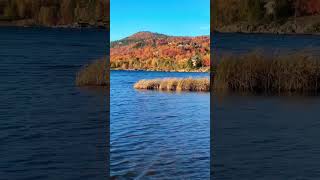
(250, 73)
(174, 84)
(256, 73)
(93, 74)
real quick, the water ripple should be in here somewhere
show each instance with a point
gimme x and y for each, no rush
(157, 135)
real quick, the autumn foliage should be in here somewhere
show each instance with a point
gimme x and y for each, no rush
(309, 7)
(226, 12)
(152, 51)
(55, 12)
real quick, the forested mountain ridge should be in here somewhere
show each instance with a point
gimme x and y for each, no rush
(69, 13)
(154, 51)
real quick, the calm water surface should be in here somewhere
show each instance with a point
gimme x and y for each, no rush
(50, 129)
(158, 135)
(266, 137)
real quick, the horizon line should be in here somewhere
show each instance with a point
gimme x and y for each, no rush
(146, 31)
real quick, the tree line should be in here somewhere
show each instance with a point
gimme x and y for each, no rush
(161, 53)
(55, 12)
(152, 51)
(226, 12)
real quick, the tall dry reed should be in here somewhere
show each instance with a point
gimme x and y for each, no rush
(258, 73)
(93, 74)
(174, 84)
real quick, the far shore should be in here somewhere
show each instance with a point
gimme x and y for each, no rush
(11, 25)
(307, 25)
(268, 33)
(202, 70)
(225, 29)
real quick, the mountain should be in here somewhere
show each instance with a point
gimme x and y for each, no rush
(153, 51)
(146, 35)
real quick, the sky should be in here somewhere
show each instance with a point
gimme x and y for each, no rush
(170, 17)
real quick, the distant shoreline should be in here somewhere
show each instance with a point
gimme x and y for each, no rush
(307, 25)
(69, 26)
(206, 70)
(268, 33)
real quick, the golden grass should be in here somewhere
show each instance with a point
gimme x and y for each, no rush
(174, 84)
(252, 73)
(255, 72)
(93, 74)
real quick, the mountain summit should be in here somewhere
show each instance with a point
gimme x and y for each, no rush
(146, 35)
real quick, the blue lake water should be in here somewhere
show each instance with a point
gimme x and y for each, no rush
(50, 129)
(272, 44)
(158, 135)
(265, 137)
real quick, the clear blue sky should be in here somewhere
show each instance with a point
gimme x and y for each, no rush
(171, 17)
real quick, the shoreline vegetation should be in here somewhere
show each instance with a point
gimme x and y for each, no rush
(54, 13)
(258, 73)
(202, 69)
(254, 72)
(174, 84)
(267, 16)
(93, 74)
(290, 27)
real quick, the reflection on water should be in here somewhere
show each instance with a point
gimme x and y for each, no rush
(158, 135)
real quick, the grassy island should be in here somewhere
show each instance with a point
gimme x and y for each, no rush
(175, 84)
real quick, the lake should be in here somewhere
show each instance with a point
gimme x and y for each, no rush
(158, 135)
(272, 44)
(261, 136)
(50, 129)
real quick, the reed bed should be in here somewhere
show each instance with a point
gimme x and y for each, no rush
(174, 84)
(258, 73)
(93, 74)
(251, 73)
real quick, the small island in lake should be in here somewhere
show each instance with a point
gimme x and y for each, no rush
(174, 84)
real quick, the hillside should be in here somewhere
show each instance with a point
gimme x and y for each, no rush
(159, 52)
(62, 13)
(266, 16)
